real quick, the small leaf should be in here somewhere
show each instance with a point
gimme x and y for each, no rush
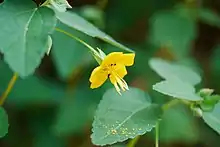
(169, 70)
(60, 5)
(209, 99)
(209, 102)
(3, 122)
(177, 89)
(24, 34)
(213, 118)
(121, 117)
(177, 124)
(76, 22)
(207, 106)
(174, 31)
(94, 14)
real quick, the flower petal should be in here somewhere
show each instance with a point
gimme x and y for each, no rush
(128, 59)
(113, 57)
(120, 72)
(98, 77)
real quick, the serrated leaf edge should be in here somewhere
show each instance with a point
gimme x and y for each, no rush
(131, 137)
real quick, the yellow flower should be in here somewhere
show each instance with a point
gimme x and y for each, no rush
(112, 66)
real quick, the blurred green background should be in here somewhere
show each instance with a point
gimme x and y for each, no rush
(55, 107)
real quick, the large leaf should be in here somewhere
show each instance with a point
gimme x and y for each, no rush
(213, 118)
(93, 14)
(169, 29)
(177, 89)
(60, 5)
(34, 90)
(178, 124)
(169, 70)
(121, 117)
(76, 22)
(31, 90)
(68, 53)
(69, 121)
(24, 34)
(3, 122)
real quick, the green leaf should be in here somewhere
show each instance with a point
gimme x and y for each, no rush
(34, 90)
(120, 117)
(177, 124)
(169, 70)
(73, 54)
(213, 118)
(93, 14)
(24, 34)
(169, 29)
(3, 122)
(69, 120)
(76, 22)
(209, 100)
(31, 90)
(177, 89)
(60, 5)
(209, 17)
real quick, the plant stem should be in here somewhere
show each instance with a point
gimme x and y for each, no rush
(9, 88)
(157, 135)
(45, 3)
(95, 53)
(75, 38)
(170, 104)
(133, 142)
